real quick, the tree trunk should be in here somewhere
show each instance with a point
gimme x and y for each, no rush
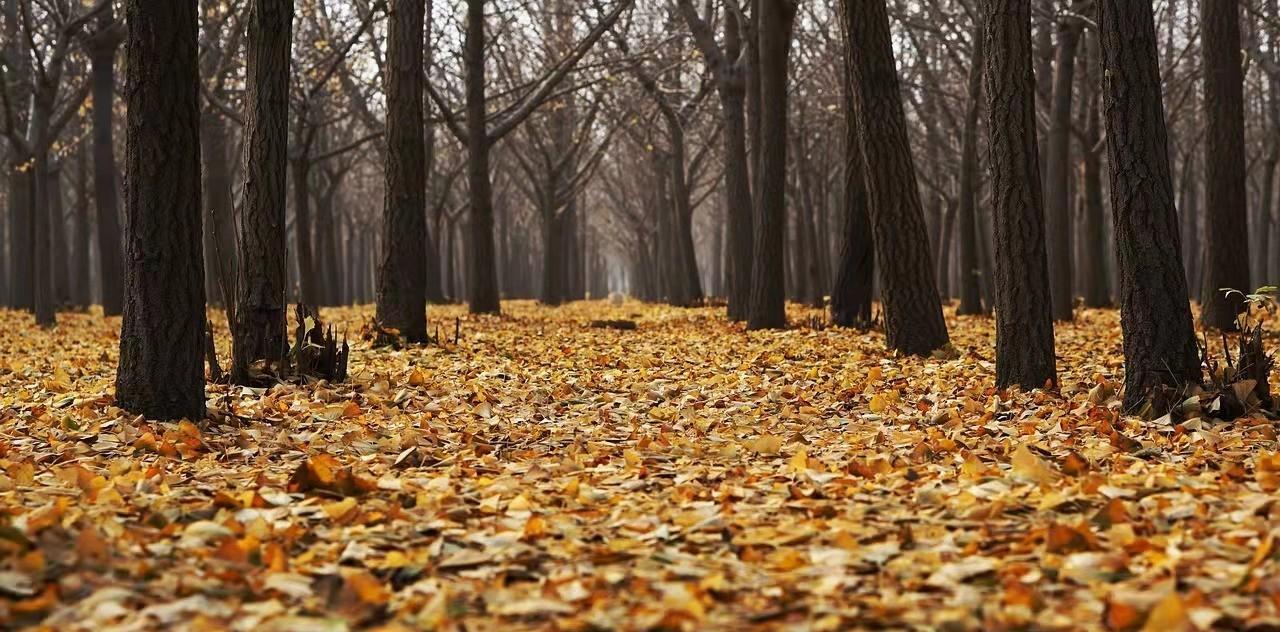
(161, 370)
(484, 297)
(102, 55)
(913, 312)
(82, 294)
(260, 332)
(402, 282)
(21, 198)
(1097, 282)
(1155, 313)
(60, 261)
(768, 289)
(1058, 171)
(855, 276)
(221, 259)
(970, 270)
(1024, 320)
(1226, 195)
(737, 176)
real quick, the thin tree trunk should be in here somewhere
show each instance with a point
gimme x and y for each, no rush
(102, 55)
(970, 271)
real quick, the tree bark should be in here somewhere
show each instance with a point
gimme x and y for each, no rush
(855, 276)
(102, 55)
(913, 312)
(1058, 171)
(768, 286)
(1097, 282)
(1155, 314)
(1024, 321)
(262, 285)
(484, 297)
(161, 370)
(970, 270)
(402, 273)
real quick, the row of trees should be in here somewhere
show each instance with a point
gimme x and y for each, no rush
(570, 153)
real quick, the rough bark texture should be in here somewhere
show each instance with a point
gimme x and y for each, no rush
(1096, 281)
(402, 275)
(161, 370)
(970, 269)
(1155, 313)
(1058, 170)
(1024, 322)
(102, 55)
(768, 285)
(260, 332)
(1226, 247)
(913, 312)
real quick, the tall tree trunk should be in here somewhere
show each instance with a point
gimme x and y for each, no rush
(262, 285)
(1057, 174)
(41, 227)
(483, 275)
(60, 262)
(1226, 194)
(1097, 282)
(768, 289)
(161, 370)
(913, 312)
(220, 256)
(21, 253)
(1024, 320)
(402, 282)
(855, 274)
(82, 296)
(970, 270)
(1155, 313)
(102, 56)
(737, 175)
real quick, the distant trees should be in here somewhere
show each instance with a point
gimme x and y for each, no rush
(1155, 315)
(1024, 323)
(161, 369)
(912, 310)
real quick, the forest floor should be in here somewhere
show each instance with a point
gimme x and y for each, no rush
(544, 474)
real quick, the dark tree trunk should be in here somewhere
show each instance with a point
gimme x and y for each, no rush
(855, 275)
(1024, 321)
(768, 289)
(737, 176)
(21, 198)
(1155, 313)
(102, 54)
(60, 262)
(402, 282)
(262, 285)
(41, 227)
(913, 313)
(220, 256)
(300, 168)
(1226, 244)
(970, 270)
(1057, 174)
(484, 297)
(1097, 281)
(82, 294)
(161, 371)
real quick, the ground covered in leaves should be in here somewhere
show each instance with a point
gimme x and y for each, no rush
(542, 473)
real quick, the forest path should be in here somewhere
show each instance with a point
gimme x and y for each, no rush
(542, 473)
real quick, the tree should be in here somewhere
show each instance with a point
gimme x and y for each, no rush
(102, 47)
(1226, 255)
(730, 67)
(1024, 321)
(768, 288)
(1057, 173)
(162, 339)
(479, 135)
(855, 275)
(402, 275)
(970, 272)
(259, 333)
(912, 309)
(1155, 314)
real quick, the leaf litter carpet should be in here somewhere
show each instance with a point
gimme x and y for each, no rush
(685, 475)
